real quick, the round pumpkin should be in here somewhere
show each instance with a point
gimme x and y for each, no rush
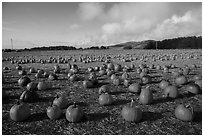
(23, 81)
(131, 113)
(105, 99)
(19, 112)
(135, 87)
(184, 113)
(146, 96)
(181, 80)
(74, 113)
(171, 91)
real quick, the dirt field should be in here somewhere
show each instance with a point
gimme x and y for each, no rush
(158, 117)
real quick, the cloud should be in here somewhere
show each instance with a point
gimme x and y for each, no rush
(90, 11)
(148, 24)
(187, 25)
(74, 26)
(10, 29)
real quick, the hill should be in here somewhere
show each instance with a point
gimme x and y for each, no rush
(175, 43)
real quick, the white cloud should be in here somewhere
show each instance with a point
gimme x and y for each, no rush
(74, 26)
(141, 21)
(187, 25)
(90, 11)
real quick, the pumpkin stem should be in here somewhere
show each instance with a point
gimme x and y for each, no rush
(132, 102)
(148, 86)
(18, 102)
(167, 95)
(74, 104)
(57, 96)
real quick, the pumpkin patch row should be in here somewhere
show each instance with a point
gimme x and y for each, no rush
(118, 75)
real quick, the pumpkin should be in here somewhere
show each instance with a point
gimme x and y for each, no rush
(181, 80)
(52, 76)
(193, 88)
(42, 85)
(197, 77)
(39, 75)
(171, 91)
(184, 113)
(104, 89)
(146, 96)
(186, 71)
(110, 66)
(146, 79)
(23, 81)
(135, 88)
(199, 83)
(126, 82)
(73, 77)
(32, 70)
(88, 84)
(22, 72)
(29, 96)
(74, 113)
(105, 99)
(32, 86)
(163, 84)
(125, 75)
(113, 76)
(61, 102)
(102, 72)
(131, 113)
(46, 74)
(19, 112)
(54, 112)
(117, 67)
(19, 67)
(116, 81)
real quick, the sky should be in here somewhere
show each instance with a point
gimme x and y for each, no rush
(33, 24)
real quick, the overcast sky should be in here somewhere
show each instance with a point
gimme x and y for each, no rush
(96, 24)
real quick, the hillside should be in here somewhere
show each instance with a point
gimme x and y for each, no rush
(175, 43)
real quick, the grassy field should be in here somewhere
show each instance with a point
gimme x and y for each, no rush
(158, 118)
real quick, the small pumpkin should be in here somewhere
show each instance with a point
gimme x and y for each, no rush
(73, 78)
(199, 83)
(104, 89)
(105, 99)
(125, 75)
(52, 76)
(163, 84)
(88, 84)
(29, 96)
(22, 72)
(135, 88)
(42, 85)
(184, 113)
(131, 113)
(116, 81)
(146, 79)
(32, 70)
(193, 88)
(181, 80)
(74, 113)
(146, 96)
(171, 91)
(39, 75)
(61, 101)
(19, 112)
(54, 112)
(32, 86)
(23, 81)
